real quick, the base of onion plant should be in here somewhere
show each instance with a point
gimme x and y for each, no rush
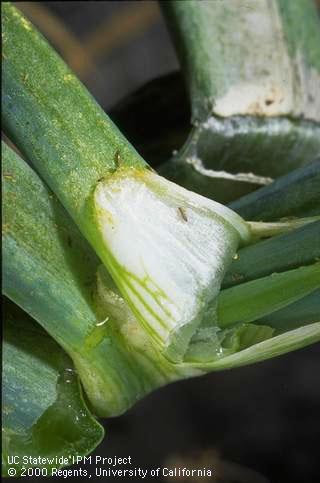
(167, 249)
(96, 184)
(82, 309)
(166, 279)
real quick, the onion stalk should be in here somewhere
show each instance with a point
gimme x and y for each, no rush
(80, 307)
(37, 368)
(254, 94)
(96, 181)
(120, 266)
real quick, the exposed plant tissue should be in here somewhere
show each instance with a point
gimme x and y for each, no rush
(121, 275)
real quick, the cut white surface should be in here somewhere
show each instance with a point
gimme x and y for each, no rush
(259, 77)
(169, 250)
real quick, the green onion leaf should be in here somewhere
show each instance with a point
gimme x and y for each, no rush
(44, 412)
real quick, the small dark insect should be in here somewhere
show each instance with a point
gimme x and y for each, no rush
(268, 102)
(182, 214)
(117, 159)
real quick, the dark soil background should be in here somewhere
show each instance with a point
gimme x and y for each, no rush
(257, 424)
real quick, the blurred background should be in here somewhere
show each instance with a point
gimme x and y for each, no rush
(257, 424)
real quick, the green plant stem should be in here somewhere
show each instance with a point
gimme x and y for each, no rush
(247, 121)
(267, 229)
(281, 253)
(158, 125)
(44, 412)
(252, 300)
(53, 119)
(51, 272)
(292, 340)
(296, 194)
(96, 173)
(87, 162)
(303, 312)
(212, 41)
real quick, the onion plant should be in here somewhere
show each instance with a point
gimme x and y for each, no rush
(254, 92)
(135, 281)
